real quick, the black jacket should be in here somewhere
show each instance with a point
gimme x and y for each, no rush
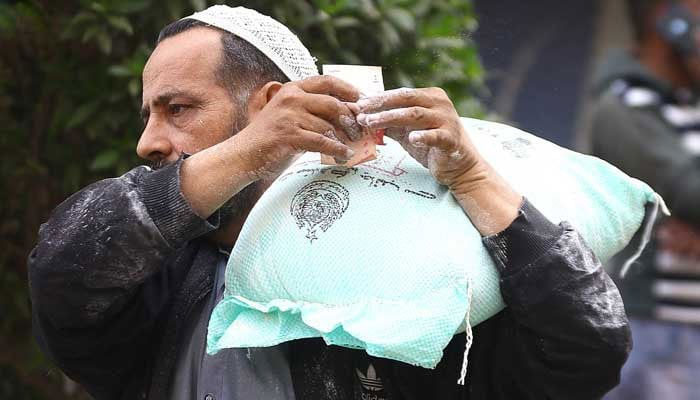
(120, 265)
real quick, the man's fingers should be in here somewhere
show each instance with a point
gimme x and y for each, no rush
(411, 118)
(352, 107)
(398, 98)
(335, 112)
(438, 138)
(319, 125)
(320, 143)
(331, 86)
(398, 134)
(331, 135)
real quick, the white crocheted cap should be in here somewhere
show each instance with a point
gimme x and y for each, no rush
(272, 38)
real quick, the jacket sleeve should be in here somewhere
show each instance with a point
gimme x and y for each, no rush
(570, 335)
(98, 276)
(640, 143)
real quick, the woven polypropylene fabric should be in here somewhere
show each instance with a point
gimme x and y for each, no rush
(272, 38)
(378, 256)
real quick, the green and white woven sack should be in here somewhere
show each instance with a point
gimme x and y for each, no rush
(381, 257)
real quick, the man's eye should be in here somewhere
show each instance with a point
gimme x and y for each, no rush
(176, 109)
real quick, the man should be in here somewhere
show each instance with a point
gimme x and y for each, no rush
(127, 270)
(647, 123)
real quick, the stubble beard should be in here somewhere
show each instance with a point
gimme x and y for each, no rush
(236, 209)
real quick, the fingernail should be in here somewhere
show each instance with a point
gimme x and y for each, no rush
(362, 119)
(352, 107)
(416, 139)
(370, 119)
(349, 153)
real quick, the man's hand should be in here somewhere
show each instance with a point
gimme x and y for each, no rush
(289, 119)
(308, 115)
(427, 125)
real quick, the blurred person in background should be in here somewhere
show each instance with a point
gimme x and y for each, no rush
(647, 122)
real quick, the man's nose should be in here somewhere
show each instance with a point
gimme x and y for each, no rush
(155, 144)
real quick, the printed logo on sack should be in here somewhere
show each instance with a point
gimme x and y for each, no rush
(372, 387)
(318, 205)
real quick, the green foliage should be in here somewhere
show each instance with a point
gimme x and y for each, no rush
(70, 83)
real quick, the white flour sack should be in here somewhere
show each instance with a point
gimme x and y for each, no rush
(381, 257)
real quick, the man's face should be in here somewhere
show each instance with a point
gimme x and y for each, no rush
(185, 109)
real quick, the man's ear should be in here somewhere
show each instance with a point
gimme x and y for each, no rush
(259, 99)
